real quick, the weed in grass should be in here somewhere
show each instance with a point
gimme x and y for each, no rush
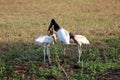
(2, 69)
(50, 73)
(79, 76)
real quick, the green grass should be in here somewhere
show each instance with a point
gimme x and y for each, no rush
(21, 21)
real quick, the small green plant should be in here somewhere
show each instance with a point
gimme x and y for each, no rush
(91, 54)
(2, 69)
(33, 69)
(41, 78)
(79, 76)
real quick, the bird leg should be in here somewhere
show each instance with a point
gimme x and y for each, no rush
(44, 53)
(48, 53)
(79, 51)
(63, 48)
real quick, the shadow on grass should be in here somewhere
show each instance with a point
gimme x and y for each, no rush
(20, 53)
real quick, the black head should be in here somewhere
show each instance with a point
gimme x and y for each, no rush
(71, 35)
(53, 21)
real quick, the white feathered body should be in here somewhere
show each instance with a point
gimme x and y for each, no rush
(43, 40)
(81, 39)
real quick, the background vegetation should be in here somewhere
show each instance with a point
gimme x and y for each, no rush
(22, 20)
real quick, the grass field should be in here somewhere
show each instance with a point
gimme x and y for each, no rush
(22, 20)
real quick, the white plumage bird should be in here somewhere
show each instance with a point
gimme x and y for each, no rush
(45, 41)
(79, 40)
